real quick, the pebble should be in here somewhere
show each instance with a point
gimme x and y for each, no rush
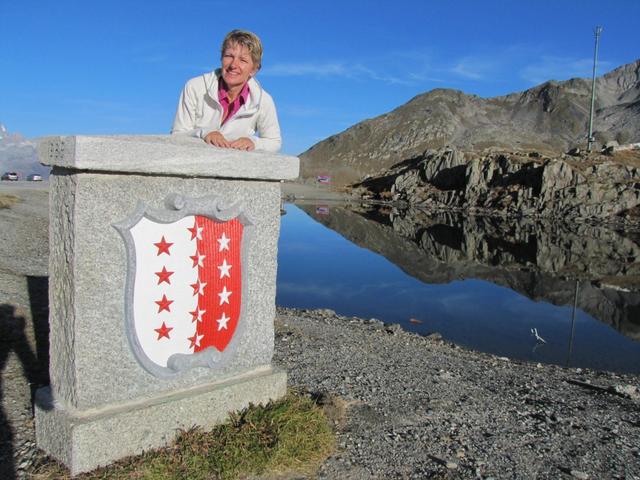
(579, 475)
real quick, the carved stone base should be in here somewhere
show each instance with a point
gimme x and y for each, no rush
(85, 440)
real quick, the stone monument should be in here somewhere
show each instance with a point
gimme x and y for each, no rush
(162, 279)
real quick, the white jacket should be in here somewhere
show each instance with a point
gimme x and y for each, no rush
(199, 112)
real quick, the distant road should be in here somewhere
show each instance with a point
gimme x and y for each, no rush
(7, 186)
(301, 191)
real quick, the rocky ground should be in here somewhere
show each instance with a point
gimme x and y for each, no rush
(419, 407)
(404, 406)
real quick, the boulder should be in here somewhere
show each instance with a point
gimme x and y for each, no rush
(575, 152)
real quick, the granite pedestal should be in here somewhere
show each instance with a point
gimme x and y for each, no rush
(109, 397)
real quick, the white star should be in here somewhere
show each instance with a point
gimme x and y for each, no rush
(198, 315)
(222, 321)
(224, 295)
(198, 260)
(197, 340)
(198, 288)
(224, 242)
(196, 231)
(224, 269)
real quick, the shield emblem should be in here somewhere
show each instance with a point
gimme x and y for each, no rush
(184, 284)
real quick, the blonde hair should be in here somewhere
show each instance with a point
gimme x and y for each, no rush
(245, 39)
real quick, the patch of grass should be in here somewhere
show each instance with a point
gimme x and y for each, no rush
(628, 157)
(6, 201)
(288, 435)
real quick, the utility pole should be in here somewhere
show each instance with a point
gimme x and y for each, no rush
(597, 31)
(573, 323)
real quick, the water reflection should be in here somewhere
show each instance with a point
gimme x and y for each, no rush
(484, 283)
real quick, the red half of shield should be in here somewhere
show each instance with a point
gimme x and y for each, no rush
(219, 287)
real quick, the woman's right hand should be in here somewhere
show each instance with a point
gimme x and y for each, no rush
(217, 140)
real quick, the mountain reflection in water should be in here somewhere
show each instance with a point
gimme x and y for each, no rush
(481, 282)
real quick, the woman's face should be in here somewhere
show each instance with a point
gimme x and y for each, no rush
(237, 65)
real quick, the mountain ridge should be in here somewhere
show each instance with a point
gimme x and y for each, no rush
(19, 154)
(551, 117)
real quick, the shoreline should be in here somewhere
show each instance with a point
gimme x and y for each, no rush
(309, 194)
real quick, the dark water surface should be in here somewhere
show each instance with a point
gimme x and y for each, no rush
(481, 283)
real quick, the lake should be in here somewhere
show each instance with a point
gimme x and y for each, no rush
(482, 283)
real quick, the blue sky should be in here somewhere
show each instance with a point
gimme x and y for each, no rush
(117, 67)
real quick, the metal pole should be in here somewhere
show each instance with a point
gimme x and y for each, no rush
(573, 323)
(590, 139)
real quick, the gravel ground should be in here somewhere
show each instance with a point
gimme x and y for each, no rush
(419, 407)
(404, 406)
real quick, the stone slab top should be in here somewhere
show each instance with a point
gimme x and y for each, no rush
(164, 155)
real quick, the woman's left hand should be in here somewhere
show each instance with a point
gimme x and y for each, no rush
(243, 143)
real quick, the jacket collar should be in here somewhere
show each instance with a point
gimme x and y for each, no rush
(255, 92)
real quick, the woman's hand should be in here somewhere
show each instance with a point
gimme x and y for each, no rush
(217, 140)
(242, 143)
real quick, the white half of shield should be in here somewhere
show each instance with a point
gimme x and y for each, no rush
(147, 291)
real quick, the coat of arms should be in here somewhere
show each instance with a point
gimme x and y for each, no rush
(184, 284)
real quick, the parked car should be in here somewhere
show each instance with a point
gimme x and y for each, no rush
(34, 177)
(11, 176)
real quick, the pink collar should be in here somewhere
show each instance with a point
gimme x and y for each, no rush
(231, 108)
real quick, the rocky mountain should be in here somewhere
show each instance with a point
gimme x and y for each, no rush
(18, 154)
(550, 118)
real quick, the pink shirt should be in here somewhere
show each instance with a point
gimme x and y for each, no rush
(230, 108)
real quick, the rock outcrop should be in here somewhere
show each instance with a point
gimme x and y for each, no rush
(550, 118)
(514, 184)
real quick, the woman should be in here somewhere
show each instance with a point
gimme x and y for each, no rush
(228, 108)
